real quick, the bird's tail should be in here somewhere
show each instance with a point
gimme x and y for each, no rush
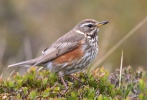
(28, 62)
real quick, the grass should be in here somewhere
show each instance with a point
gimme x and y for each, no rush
(98, 85)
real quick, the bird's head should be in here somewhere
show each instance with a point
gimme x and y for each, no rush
(89, 26)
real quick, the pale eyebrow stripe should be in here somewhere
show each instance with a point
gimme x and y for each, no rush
(86, 24)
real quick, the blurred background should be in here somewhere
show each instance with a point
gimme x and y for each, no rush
(28, 26)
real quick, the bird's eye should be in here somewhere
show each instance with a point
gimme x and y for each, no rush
(90, 25)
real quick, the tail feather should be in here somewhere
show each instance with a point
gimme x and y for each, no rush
(28, 62)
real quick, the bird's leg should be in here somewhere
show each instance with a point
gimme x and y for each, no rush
(64, 82)
(61, 74)
(66, 87)
(76, 78)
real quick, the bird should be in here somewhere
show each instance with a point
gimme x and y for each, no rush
(72, 52)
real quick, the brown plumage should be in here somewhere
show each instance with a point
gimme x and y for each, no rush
(72, 52)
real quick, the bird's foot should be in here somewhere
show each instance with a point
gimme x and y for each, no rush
(76, 78)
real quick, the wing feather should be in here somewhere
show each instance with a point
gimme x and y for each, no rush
(63, 45)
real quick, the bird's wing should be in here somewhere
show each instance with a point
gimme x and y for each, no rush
(63, 45)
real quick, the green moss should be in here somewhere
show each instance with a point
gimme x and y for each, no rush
(97, 85)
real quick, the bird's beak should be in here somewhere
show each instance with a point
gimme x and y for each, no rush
(102, 23)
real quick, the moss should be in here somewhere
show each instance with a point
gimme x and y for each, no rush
(97, 85)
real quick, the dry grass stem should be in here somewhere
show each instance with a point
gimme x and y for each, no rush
(120, 73)
(11, 73)
(3, 44)
(120, 43)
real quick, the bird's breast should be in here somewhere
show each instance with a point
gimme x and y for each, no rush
(75, 60)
